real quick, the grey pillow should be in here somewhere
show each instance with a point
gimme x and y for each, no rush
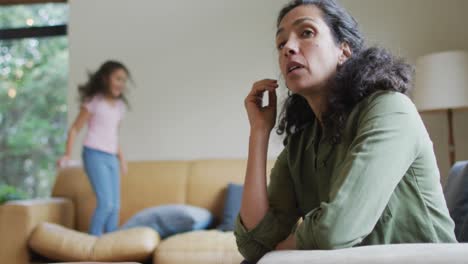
(232, 204)
(171, 219)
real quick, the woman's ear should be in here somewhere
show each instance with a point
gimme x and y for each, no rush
(345, 53)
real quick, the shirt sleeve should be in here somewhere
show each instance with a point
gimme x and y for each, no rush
(90, 104)
(385, 145)
(278, 222)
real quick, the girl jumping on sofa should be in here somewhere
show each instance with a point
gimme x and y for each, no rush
(103, 104)
(358, 165)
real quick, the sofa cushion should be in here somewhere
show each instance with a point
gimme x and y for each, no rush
(147, 183)
(202, 247)
(232, 204)
(59, 243)
(168, 220)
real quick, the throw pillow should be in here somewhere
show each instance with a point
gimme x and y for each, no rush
(232, 205)
(168, 220)
(60, 243)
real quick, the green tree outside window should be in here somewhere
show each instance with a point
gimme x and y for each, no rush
(33, 90)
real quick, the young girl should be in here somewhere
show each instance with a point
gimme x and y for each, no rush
(102, 108)
(358, 165)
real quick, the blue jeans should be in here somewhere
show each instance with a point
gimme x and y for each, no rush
(104, 175)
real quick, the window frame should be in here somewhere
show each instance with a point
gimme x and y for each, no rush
(32, 32)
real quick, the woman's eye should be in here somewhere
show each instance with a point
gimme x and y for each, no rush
(280, 46)
(307, 33)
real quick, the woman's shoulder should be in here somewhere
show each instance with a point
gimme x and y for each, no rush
(387, 101)
(93, 98)
(91, 102)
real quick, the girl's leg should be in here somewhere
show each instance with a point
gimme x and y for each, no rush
(113, 220)
(97, 171)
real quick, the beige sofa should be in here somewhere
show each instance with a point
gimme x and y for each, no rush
(200, 183)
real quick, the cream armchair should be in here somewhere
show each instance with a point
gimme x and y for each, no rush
(19, 218)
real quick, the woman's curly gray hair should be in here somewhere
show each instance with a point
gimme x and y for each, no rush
(367, 70)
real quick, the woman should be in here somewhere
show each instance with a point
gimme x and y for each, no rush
(358, 165)
(102, 108)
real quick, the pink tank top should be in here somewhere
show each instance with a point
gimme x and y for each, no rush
(103, 124)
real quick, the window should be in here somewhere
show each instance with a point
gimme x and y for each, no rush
(33, 89)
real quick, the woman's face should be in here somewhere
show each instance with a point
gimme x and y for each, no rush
(117, 82)
(308, 53)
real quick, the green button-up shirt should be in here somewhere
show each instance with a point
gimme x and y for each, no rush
(380, 185)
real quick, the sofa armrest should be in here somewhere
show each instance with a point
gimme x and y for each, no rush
(19, 218)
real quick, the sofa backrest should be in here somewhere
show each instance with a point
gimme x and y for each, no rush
(151, 183)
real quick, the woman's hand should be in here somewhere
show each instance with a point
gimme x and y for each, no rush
(63, 161)
(287, 244)
(123, 167)
(262, 118)
(122, 162)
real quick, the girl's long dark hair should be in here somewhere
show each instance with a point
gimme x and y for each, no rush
(367, 70)
(98, 81)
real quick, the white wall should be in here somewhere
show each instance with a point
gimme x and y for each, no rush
(194, 62)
